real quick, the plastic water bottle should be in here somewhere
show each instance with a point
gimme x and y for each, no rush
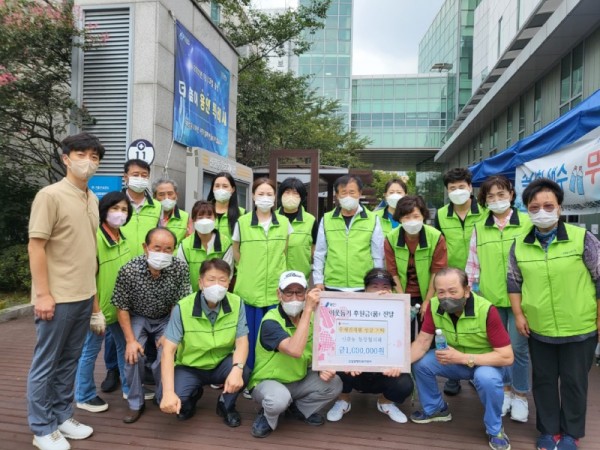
(440, 340)
(414, 311)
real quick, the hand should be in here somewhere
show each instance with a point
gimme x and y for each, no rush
(353, 373)
(522, 325)
(449, 356)
(234, 381)
(98, 323)
(423, 310)
(383, 292)
(326, 375)
(312, 299)
(320, 286)
(44, 307)
(392, 372)
(131, 352)
(170, 403)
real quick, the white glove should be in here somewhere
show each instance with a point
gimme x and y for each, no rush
(98, 323)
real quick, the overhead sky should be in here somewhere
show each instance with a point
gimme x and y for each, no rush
(386, 33)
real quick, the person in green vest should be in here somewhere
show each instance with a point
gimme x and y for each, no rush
(223, 194)
(206, 342)
(146, 211)
(394, 190)
(206, 243)
(554, 287)
(282, 380)
(456, 221)
(349, 240)
(486, 268)
(291, 196)
(477, 347)
(177, 220)
(413, 253)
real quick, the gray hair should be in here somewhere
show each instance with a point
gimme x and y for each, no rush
(462, 275)
(157, 183)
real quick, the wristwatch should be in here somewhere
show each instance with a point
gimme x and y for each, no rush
(239, 365)
(471, 361)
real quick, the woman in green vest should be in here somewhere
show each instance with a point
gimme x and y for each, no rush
(395, 189)
(291, 195)
(260, 241)
(115, 210)
(554, 286)
(223, 194)
(206, 243)
(413, 252)
(486, 268)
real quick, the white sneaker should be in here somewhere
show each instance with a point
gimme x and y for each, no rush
(148, 394)
(519, 409)
(72, 429)
(52, 441)
(246, 394)
(508, 398)
(338, 410)
(392, 411)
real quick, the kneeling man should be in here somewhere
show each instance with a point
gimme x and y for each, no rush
(282, 378)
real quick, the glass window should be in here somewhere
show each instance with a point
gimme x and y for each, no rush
(521, 117)
(537, 107)
(571, 79)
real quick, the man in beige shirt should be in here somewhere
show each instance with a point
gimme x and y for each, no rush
(62, 254)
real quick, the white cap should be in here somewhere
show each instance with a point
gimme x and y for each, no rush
(291, 277)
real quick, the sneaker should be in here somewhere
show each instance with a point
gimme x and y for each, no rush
(442, 415)
(519, 409)
(111, 382)
(95, 405)
(216, 386)
(547, 442)
(52, 441)
(508, 398)
(499, 442)
(72, 429)
(260, 427)
(246, 394)
(148, 394)
(339, 408)
(452, 387)
(567, 442)
(392, 411)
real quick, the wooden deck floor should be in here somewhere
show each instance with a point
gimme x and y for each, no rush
(362, 428)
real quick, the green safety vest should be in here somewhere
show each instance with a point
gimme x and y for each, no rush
(470, 333)
(205, 345)
(276, 365)
(140, 223)
(300, 242)
(222, 223)
(428, 240)
(178, 224)
(111, 257)
(195, 254)
(386, 224)
(348, 250)
(458, 233)
(262, 259)
(558, 293)
(493, 247)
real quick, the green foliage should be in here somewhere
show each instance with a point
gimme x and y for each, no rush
(380, 178)
(14, 269)
(431, 187)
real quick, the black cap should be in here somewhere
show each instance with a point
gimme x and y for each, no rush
(378, 274)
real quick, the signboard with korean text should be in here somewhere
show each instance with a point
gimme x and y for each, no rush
(201, 104)
(103, 184)
(362, 332)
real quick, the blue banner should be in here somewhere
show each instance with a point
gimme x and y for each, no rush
(200, 111)
(103, 184)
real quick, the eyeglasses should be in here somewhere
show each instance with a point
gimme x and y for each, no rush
(548, 207)
(292, 294)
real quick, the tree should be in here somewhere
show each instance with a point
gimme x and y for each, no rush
(381, 177)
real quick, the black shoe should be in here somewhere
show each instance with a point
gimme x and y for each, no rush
(231, 418)
(188, 408)
(313, 419)
(133, 415)
(111, 382)
(452, 387)
(260, 427)
(187, 414)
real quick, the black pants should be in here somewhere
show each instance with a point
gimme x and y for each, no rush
(561, 409)
(396, 389)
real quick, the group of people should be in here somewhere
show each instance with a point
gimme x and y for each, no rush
(221, 297)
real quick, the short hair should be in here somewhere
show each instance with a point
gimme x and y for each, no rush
(396, 181)
(539, 185)
(215, 263)
(406, 205)
(500, 181)
(111, 199)
(263, 180)
(295, 184)
(347, 179)
(153, 231)
(136, 162)
(457, 174)
(160, 181)
(462, 275)
(203, 207)
(82, 141)
(378, 274)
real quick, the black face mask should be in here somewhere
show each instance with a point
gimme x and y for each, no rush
(452, 305)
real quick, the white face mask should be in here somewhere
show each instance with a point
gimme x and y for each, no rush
(214, 293)
(459, 196)
(499, 207)
(412, 226)
(392, 199)
(168, 204)
(84, 169)
(138, 184)
(290, 202)
(348, 203)
(159, 260)
(222, 195)
(204, 226)
(544, 219)
(115, 219)
(264, 203)
(293, 308)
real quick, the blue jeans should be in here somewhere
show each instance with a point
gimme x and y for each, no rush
(254, 318)
(110, 352)
(487, 380)
(516, 375)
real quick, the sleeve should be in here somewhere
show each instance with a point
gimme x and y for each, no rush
(377, 245)
(440, 256)
(174, 330)
(271, 335)
(472, 267)
(242, 325)
(181, 254)
(390, 258)
(43, 216)
(497, 334)
(235, 236)
(120, 297)
(514, 278)
(428, 325)
(320, 255)
(228, 258)
(591, 254)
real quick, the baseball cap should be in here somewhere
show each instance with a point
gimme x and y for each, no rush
(291, 277)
